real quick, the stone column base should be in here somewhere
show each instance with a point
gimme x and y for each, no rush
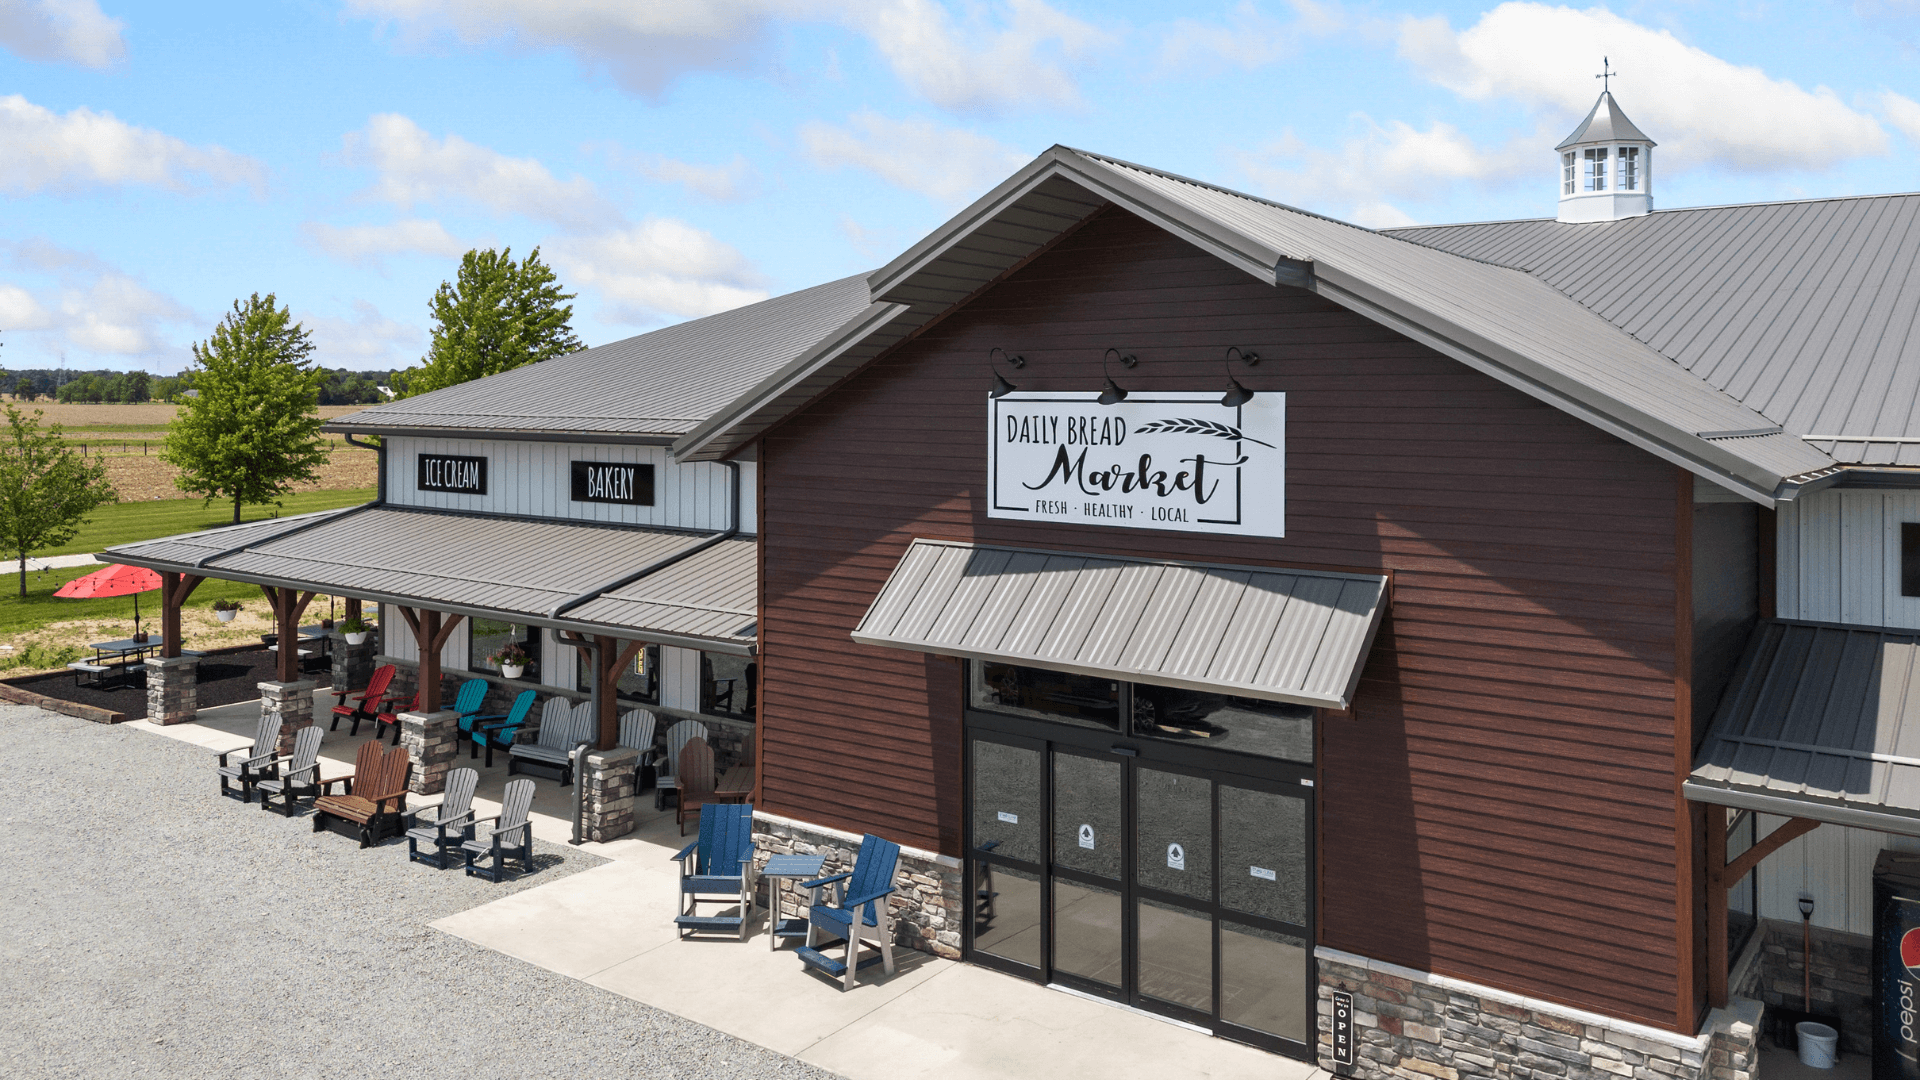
(352, 664)
(173, 689)
(293, 701)
(607, 789)
(432, 741)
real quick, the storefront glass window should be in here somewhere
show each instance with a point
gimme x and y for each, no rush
(727, 685)
(1224, 722)
(639, 680)
(1049, 695)
(485, 637)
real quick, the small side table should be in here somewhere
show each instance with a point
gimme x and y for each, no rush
(802, 867)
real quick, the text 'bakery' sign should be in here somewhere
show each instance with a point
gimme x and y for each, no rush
(1154, 461)
(447, 472)
(612, 482)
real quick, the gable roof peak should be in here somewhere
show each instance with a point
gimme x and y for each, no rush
(1605, 123)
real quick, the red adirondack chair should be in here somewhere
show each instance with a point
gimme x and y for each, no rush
(391, 715)
(370, 699)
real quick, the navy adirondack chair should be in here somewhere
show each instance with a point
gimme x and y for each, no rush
(857, 913)
(718, 869)
(501, 732)
(468, 703)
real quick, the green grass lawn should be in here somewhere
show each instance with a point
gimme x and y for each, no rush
(121, 523)
(41, 607)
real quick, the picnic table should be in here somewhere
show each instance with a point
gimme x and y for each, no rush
(123, 657)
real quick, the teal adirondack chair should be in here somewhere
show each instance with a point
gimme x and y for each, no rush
(856, 914)
(718, 869)
(501, 732)
(468, 703)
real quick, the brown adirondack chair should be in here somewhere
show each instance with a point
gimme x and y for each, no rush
(375, 796)
(695, 770)
(369, 699)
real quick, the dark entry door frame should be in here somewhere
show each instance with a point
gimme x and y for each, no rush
(1037, 861)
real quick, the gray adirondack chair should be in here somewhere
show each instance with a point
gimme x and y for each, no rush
(511, 835)
(548, 750)
(636, 732)
(299, 773)
(856, 910)
(256, 762)
(666, 781)
(445, 825)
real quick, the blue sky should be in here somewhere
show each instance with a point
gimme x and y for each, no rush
(672, 159)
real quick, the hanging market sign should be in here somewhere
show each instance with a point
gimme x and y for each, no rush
(1177, 461)
(609, 482)
(447, 472)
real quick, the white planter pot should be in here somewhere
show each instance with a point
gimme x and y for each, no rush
(356, 639)
(225, 616)
(513, 671)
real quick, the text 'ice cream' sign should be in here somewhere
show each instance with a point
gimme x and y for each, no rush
(1154, 461)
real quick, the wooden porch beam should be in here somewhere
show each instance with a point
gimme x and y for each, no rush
(174, 590)
(1723, 876)
(1792, 830)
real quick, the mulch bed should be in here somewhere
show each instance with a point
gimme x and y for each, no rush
(225, 678)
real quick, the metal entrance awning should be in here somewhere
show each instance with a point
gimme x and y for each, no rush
(512, 569)
(1822, 722)
(1285, 635)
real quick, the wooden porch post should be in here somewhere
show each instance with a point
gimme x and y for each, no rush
(615, 655)
(430, 633)
(288, 605)
(353, 607)
(1722, 876)
(174, 590)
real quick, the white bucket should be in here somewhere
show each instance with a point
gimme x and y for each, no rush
(1818, 1044)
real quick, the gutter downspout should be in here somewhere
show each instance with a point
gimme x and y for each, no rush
(381, 498)
(732, 530)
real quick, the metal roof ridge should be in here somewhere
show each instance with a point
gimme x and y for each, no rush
(1652, 213)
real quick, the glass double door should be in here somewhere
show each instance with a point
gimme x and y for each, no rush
(1166, 885)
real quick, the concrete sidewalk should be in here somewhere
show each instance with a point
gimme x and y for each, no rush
(612, 927)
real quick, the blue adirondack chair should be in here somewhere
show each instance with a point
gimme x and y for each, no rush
(468, 703)
(718, 869)
(501, 731)
(858, 909)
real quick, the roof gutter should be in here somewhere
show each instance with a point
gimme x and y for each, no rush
(732, 530)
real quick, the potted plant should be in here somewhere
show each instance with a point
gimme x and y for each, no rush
(355, 629)
(511, 660)
(225, 610)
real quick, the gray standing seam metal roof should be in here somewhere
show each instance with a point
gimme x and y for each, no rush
(658, 384)
(1605, 123)
(1284, 635)
(1820, 721)
(513, 567)
(1808, 312)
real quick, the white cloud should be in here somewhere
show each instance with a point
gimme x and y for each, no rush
(1249, 38)
(981, 67)
(1366, 178)
(1001, 57)
(658, 269)
(41, 150)
(946, 164)
(367, 341)
(363, 245)
(412, 167)
(87, 307)
(76, 31)
(1699, 107)
(1903, 113)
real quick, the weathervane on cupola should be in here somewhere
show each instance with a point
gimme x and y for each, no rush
(1606, 165)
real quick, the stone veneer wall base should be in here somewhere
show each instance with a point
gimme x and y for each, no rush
(927, 905)
(1414, 1025)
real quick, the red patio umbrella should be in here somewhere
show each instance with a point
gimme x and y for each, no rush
(114, 580)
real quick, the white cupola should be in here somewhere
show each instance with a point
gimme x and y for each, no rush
(1606, 167)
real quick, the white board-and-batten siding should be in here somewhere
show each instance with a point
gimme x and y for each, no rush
(534, 479)
(1834, 865)
(1839, 558)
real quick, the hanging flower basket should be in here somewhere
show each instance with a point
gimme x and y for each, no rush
(513, 671)
(225, 610)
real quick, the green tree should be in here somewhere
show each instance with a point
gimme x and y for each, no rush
(46, 488)
(251, 433)
(498, 315)
(23, 390)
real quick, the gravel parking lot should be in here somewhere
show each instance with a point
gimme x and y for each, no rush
(156, 929)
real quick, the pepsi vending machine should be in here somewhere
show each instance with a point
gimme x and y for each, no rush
(1896, 966)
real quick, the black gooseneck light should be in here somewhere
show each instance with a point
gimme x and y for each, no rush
(1111, 394)
(1236, 394)
(1001, 387)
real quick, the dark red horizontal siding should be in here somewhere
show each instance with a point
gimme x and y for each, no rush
(1499, 807)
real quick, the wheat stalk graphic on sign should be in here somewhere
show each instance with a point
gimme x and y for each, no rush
(1190, 426)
